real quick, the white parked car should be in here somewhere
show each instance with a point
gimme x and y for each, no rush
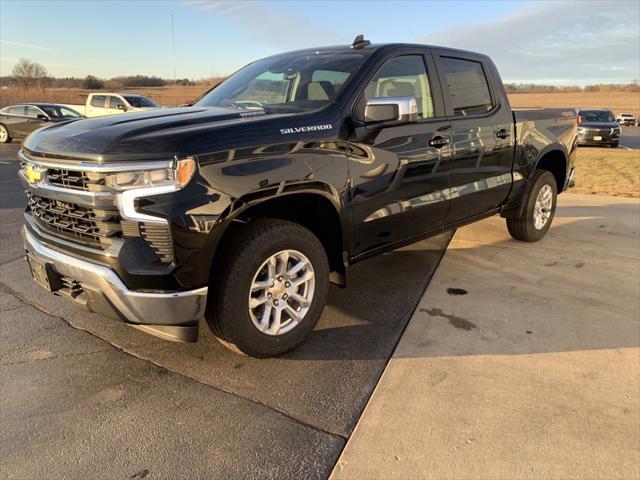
(100, 104)
(626, 119)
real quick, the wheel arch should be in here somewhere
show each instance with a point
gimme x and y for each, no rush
(317, 208)
(553, 158)
(555, 161)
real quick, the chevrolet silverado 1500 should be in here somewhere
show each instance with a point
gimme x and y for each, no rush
(242, 208)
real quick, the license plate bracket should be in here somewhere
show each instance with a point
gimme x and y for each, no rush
(44, 274)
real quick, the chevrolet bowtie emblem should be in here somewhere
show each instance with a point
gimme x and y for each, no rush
(33, 174)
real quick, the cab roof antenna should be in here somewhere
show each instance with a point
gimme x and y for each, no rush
(360, 42)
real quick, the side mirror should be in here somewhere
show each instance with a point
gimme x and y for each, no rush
(42, 117)
(122, 107)
(391, 111)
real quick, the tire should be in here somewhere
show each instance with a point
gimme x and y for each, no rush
(4, 134)
(245, 264)
(525, 228)
(614, 144)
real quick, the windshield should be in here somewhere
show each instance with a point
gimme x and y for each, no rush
(58, 111)
(597, 116)
(139, 102)
(291, 83)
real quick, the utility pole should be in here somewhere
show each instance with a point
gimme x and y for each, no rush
(173, 58)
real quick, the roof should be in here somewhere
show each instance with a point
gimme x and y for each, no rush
(380, 46)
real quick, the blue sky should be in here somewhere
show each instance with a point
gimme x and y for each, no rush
(545, 42)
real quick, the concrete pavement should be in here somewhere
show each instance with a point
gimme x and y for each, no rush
(521, 361)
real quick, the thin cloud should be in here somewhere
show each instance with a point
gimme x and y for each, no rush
(28, 45)
(558, 42)
(268, 24)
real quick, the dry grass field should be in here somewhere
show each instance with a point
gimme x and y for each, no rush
(176, 95)
(607, 171)
(615, 101)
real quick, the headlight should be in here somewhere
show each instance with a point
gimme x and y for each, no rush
(179, 175)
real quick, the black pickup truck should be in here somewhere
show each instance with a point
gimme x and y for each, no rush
(243, 207)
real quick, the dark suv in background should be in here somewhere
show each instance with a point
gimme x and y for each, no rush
(598, 127)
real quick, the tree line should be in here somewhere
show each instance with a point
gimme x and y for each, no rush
(27, 75)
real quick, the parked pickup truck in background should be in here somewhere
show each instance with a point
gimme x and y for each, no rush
(242, 208)
(101, 104)
(626, 119)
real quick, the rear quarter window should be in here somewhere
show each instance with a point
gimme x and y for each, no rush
(98, 101)
(468, 86)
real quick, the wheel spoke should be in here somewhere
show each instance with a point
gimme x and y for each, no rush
(302, 279)
(301, 300)
(277, 316)
(264, 320)
(260, 285)
(271, 270)
(257, 301)
(297, 267)
(284, 260)
(295, 316)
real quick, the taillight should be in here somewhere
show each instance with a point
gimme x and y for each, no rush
(579, 120)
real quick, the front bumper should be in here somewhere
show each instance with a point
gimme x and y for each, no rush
(604, 138)
(169, 315)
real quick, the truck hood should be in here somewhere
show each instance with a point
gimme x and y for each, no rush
(149, 135)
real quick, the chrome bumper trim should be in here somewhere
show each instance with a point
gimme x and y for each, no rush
(157, 311)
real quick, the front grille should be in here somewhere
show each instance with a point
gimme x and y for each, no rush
(73, 221)
(75, 180)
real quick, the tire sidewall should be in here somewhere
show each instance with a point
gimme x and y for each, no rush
(240, 330)
(546, 178)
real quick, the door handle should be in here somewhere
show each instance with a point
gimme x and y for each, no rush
(504, 133)
(438, 141)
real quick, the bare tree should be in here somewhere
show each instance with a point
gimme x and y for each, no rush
(28, 74)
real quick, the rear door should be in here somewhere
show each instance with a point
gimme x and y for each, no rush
(400, 173)
(483, 134)
(17, 121)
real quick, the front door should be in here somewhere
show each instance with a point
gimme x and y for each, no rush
(400, 174)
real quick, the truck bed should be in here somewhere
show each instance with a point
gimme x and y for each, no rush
(546, 123)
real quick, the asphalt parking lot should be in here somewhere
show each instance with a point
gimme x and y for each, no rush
(630, 137)
(85, 396)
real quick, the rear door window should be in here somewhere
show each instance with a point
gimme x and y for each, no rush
(97, 101)
(19, 110)
(468, 87)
